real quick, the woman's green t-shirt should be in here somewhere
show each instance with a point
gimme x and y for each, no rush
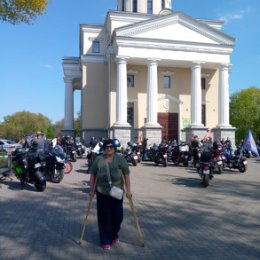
(117, 167)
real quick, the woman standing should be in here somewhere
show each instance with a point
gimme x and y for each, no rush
(109, 209)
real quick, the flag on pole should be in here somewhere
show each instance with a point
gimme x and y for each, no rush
(249, 143)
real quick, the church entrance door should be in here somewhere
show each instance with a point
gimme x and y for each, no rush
(169, 122)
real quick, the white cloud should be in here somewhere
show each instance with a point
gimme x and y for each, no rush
(48, 66)
(236, 15)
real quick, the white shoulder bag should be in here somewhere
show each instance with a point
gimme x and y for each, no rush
(115, 192)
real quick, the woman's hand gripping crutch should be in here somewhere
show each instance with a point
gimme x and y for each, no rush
(131, 204)
(85, 220)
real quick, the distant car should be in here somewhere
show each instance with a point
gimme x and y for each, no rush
(9, 145)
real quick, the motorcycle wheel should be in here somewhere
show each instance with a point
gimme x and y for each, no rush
(68, 167)
(165, 163)
(134, 162)
(205, 180)
(175, 161)
(74, 157)
(185, 163)
(242, 167)
(57, 176)
(40, 181)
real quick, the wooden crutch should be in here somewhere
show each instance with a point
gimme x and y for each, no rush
(131, 204)
(85, 220)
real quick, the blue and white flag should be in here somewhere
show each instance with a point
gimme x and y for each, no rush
(249, 143)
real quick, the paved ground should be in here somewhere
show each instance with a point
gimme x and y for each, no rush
(180, 219)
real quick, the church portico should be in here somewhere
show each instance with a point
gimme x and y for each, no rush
(144, 67)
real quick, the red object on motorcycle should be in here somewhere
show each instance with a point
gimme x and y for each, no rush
(68, 167)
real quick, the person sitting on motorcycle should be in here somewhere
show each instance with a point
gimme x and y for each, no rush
(39, 141)
(195, 144)
(228, 144)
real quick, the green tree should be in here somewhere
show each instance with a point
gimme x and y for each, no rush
(21, 11)
(58, 126)
(77, 125)
(20, 123)
(245, 112)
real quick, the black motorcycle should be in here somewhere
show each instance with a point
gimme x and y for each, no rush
(69, 148)
(93, 153)
(180, 154)
(28, 168)
(130, 155)
(80, 149)
(161, 155)
(235, 161)
(55, 164)
(205, 169)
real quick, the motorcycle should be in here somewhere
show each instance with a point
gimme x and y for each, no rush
(180, 154)
(161, 154)
(28, 168)
(205, 169)
(236, 161)
(55, 164)
(130, 156)
(68, 146)
(195, 156)
(80, 149)
(217, 158)
(93, 153)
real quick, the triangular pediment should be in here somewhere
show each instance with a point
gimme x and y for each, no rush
(176, 27)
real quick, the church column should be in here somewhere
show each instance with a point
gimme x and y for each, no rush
(196, 95)
(128, 6)
(121, 93)
(223, 96)
(152, 93)
(152, 130)
(69, 105)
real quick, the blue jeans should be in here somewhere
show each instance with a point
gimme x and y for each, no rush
(110, 217)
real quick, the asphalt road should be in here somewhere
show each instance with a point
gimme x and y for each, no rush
(179, 218)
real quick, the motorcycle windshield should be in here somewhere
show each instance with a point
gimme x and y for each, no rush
(58, 151)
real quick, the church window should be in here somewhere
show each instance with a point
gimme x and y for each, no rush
(130, 80)
(135, 6)
(149, 6)
(203, 114)
(167, 81)
(96, 47)
(130, 113)
(163, 4)
(203, 83)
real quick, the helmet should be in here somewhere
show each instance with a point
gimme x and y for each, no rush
(116, 143)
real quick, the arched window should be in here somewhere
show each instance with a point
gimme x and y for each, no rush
(150, 6)
(135, 6)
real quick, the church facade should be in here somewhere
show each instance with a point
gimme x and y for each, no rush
(150, 72)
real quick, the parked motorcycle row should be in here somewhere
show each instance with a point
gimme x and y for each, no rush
(206, 159)
(132, 153)
(36, 167)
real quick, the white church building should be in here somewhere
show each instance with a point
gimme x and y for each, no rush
(150, 71)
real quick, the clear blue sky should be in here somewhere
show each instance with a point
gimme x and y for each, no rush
(31, 76)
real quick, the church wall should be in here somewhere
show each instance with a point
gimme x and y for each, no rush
(94, 96)
(91, 34)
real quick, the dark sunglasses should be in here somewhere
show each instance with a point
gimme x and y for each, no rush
(109, 146)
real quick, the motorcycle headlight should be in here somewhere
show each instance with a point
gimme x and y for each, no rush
(59, 160)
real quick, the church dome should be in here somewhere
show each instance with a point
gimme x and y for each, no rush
(143, 6)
